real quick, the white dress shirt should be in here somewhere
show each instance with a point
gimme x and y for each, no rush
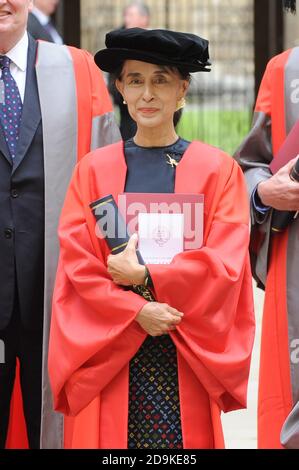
(18, 66)
(44, 21)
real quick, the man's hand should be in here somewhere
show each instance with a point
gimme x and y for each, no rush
(279, 191)
(157, 319)
(124, 267)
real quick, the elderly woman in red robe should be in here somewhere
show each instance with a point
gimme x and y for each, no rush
(127, 372)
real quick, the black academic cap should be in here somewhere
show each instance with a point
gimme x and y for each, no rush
(185, 51)
(290, 5)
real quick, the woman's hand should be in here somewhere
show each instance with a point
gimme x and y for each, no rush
(124, 267)
(157, 319)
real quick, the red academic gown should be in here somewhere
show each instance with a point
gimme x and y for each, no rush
(94, 333)
(92, 100)
(275, 395)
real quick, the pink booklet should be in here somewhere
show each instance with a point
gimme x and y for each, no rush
(288, 150)
(166, 223)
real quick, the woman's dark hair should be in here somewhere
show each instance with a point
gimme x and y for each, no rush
(184, 74)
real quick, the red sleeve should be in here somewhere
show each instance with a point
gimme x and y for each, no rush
(94, 107)
(212, 287)
(271, 98)
(101, 102)
(263, 101)
(93, 332)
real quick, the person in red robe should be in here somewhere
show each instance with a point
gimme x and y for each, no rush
(275, 256)
(126, 372)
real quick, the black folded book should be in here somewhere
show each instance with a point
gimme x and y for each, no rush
(115, 233)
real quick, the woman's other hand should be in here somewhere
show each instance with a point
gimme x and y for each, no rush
(158, 319)
(124, 267)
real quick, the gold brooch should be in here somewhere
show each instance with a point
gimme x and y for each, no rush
(171, 161)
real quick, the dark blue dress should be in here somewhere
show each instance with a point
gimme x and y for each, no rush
(154, 407)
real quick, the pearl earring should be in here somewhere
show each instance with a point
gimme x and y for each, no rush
(124, 102)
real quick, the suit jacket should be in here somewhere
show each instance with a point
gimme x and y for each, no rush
(76, 117)
(22, 212)
(37, 30)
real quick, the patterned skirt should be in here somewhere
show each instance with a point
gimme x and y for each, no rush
(154, 407)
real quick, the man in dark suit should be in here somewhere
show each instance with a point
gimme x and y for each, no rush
(47, 121)
(40, 25)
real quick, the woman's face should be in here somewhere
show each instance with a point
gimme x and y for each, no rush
(152, 92)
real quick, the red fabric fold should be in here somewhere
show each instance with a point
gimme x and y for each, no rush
(275, 394)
